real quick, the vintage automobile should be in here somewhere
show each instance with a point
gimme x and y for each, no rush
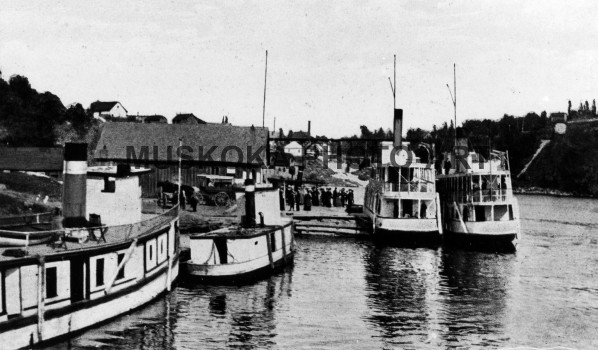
(168, 190)
(216, 190)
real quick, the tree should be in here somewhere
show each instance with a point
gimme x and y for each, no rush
(79, 118)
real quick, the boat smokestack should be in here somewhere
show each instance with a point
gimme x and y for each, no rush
(309, 128)
(249, 203)
(75, 184)
(398, 128)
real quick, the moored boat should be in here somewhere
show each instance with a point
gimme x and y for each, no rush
(92, 270)
(401, 200)
(241, 253)
(477, 197)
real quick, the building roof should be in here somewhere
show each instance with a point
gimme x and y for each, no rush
(187, 118)
(99, 106)
(31, 158)
(292, 145)
(155, 118)
(118, 138)
(112, 171)
(301, 134)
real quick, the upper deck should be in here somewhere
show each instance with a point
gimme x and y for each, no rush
(73, 240)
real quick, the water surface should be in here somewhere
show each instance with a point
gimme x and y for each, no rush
(348, 293)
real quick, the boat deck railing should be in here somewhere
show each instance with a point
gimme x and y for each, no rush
(109, 234)
(26, 219)
(411, 186)
(484, 196)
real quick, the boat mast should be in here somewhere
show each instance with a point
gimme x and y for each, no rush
(180, 161)
(265, 81)
(454, 98)
(393, 85)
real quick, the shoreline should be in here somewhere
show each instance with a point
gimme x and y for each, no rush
(538, 191)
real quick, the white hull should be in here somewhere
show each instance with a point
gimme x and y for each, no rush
(399, 225)
(87, 317)
(485, 228)
(235, 269)
(245, 255)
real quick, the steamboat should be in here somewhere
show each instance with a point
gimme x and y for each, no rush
(244, 252)
(81, 272)
(401, 200)
(478, 205)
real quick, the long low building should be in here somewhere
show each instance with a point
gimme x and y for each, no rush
(241, 152)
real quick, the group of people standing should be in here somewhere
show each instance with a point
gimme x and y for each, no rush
(315, 196)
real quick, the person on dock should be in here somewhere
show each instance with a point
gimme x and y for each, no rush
(281, 198)
(343, 197)
(315, 197)
(291, 200)
(193, 202)
(334, 197)
(307, 201)
(182, 200)
(328, 198)
(350, 198)
(298, 199)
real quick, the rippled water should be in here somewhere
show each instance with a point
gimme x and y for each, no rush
(348, 293)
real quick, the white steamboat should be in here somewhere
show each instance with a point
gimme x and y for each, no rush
(401, 200)
(242, 253)
(477, 196)
(90, 270)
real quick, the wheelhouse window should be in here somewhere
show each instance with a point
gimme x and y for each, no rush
(99, 272)
(51, 282)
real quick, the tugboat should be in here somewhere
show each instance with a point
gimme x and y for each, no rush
(242, 253)
(401, 200)
(478, 205)
(92, 270)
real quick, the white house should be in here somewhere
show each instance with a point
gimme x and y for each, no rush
(294, 148)
(112, 109)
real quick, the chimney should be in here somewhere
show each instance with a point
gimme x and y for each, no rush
(309, 128)
(398, 128)
(75, 184)
(249, 203)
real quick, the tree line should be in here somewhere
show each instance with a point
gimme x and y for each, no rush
(28, 118)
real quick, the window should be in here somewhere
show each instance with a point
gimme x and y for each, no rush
(51, 282)
(121, 272)
(109, 185)
(99, 272)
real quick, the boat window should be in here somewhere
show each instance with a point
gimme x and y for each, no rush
(109, 184)
(99, 272)
(51, 282)
(480, 212)
(511, 212)
(121, 272)
(501, 212)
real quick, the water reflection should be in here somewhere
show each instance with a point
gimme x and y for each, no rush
(474, 293)
(232, 316)
(398, 284)
(150, 327)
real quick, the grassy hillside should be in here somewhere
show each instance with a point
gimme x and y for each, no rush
(22, 193)
(569, 163)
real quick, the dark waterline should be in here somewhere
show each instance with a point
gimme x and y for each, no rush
(348, 293)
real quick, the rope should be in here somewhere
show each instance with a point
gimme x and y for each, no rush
(211, 253)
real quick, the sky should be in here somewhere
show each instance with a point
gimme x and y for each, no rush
(328, 61)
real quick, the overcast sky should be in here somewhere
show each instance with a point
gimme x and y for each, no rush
(328, 61)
